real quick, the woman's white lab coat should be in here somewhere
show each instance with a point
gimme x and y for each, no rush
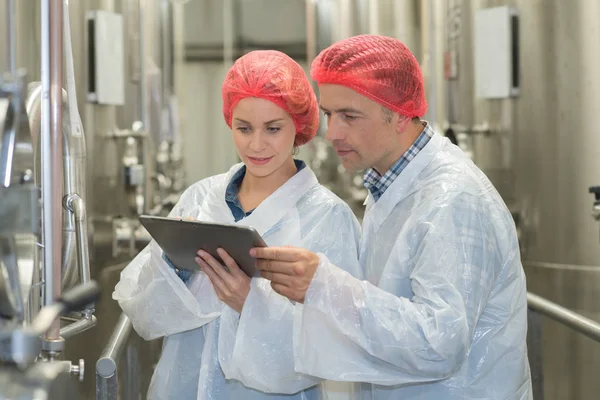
(203, 336)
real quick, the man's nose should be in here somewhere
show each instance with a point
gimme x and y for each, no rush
(333, 132)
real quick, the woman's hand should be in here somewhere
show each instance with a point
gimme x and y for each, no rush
(231, 287)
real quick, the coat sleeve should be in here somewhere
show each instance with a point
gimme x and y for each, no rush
(256, 347)
(155, 299)
(351, 330)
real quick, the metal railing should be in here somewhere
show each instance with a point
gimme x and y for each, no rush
(538, 307)
(577, 322)
(107, 381)
(107, 385)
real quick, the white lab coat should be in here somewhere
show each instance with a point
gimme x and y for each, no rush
(443, 311)
(203, 336)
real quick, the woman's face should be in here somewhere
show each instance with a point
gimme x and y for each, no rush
(263, 134)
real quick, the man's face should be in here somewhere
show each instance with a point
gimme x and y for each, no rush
(361, 133)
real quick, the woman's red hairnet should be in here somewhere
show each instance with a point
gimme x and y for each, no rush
(273, 76)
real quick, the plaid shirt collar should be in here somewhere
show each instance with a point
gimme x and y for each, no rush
(378, 184)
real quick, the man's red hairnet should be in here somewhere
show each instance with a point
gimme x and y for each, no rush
(378, 67)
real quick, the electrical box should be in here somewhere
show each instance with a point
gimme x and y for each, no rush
(106, 58)
(497, 53)
(134, 175)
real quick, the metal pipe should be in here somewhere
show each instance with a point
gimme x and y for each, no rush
(35, 294)
(311, 31)
(577, 322)
(74, 156)
(70, 318)
(534, 349)
(346, 20)
(79, 326)
(145, 102)
(133, 31)
(107, 388)
(11, 37)
(228, 32)
(374, 17)
(132, 387)
(8, 251)
(51, 138)
(431, 60)
(106, 366)
(406, 24)
(166, 29)
(143, 79)
(76, 205)
(426, 51)
(69, 259)
(74, 172)
(453, 30)
(74, 163)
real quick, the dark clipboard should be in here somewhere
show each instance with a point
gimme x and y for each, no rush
(181, 240)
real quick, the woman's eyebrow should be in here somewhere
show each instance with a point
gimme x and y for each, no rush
(266, 123)
(273, 120)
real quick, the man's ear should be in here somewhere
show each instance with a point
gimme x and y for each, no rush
(401, 123)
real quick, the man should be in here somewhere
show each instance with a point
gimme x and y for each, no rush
(442, 313)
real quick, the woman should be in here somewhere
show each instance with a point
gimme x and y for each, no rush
(233, 340)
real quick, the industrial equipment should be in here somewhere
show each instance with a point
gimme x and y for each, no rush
(80, 159)
(25, 374)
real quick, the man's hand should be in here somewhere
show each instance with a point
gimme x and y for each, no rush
(179, 217)
(289, 269)
(231, 287)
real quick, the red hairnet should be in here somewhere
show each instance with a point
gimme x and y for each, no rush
(273, 76)
(378, 67)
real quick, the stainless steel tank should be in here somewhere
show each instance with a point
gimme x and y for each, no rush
(542, 155)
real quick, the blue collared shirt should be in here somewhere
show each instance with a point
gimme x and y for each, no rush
(233, 189)
(232, 199)
(378, 184)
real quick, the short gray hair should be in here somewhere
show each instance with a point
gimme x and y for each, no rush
(387, 114)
